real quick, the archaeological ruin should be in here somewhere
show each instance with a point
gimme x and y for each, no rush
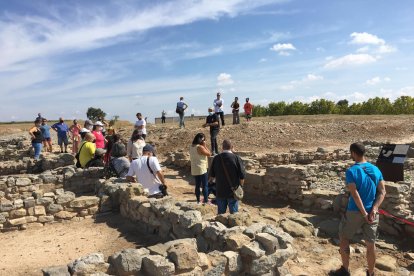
(192, 241)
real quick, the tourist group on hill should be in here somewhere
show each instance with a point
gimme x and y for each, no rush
(98, 144)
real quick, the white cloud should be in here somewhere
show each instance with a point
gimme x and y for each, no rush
(350, 60)
(296, 83)
(377, 80)
(224, 79)
(373, 81)
(380, 46)
(27, 37)
(385, 49)
(262, 60)
(283, 48)
(312, 77)
(366, 38)
(287, 87)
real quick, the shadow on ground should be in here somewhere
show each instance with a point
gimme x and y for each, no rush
(129, 230)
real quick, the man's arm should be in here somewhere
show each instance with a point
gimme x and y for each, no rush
(379, 198)
(161, 177)
(355, 195)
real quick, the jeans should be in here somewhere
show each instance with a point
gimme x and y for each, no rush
(181, 119)
(221, 114)
(201, 181)
(37, 149)
(231, 202)
(213, 138)
(236, 118)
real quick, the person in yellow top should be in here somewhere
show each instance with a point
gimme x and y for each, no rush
(199, 165)
(87, 149)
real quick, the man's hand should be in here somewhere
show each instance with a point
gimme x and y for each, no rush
(372, 215)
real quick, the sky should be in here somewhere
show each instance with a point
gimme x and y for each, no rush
(61, 57)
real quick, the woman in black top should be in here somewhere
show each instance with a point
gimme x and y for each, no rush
(235, 110)
(37, 138)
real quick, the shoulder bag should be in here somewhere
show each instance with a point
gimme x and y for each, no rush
(162, 187)
(238, 192)
(78, 164)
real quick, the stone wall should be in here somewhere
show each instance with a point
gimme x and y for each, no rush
(29, 165)
(197, 242)
(14, 148)
(47, 197)
(318, 185)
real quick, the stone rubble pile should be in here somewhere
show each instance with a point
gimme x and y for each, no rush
(14, 148)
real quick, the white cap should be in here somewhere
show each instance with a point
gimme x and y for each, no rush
(99, 123)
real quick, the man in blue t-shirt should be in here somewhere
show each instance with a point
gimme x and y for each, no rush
(367, 188)
(62, 130)
(47, 140)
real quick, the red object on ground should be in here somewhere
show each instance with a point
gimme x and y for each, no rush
(385, 213)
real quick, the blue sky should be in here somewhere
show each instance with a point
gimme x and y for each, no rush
(61, 57)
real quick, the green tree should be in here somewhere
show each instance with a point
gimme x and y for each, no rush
(342, 106)
(377, 105)
(277, 109)
(321, 106)
(354, 109)
(296, 108)
(95, 114)
(404, 105)
(259, 111)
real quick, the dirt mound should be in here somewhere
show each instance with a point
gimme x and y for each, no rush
(285, 133)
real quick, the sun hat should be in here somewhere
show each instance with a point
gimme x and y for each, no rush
(99, 123)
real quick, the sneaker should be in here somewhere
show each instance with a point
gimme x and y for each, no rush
(342, 271)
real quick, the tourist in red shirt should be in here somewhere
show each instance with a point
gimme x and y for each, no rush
(99, 138)
(248, 110)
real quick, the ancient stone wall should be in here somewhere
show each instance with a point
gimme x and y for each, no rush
(47, 197)
(29, 165)
(197, 243)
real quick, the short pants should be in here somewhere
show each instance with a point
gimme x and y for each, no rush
(352, 221)
(48, 139)
(63, 140)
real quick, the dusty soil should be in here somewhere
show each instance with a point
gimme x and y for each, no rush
(285, 133)
(26, 252)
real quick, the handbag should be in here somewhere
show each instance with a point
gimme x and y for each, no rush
(238, 192)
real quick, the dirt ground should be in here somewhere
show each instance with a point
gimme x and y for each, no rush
(26, 252)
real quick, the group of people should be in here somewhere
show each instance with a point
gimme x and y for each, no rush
(218, 108)
(225, 174)
(138, 162)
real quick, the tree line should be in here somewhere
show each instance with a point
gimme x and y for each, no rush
(374, 106)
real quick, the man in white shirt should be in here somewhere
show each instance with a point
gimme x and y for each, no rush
(218, 107)
(140, 125)
(147, 171)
